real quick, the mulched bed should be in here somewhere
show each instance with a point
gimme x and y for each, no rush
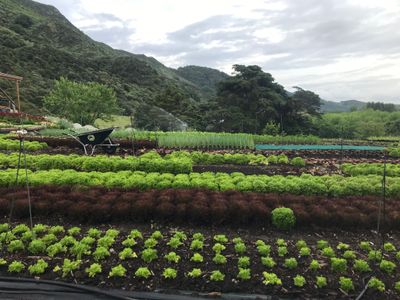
(230, 283)
(323, 169)
(55, 142)
(196, 206)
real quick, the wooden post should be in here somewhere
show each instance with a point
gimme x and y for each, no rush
(18, 102)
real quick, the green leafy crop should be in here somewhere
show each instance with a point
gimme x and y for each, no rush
(169, 273)
(38, 268)
(283, 218)
(271, 279)
(299, 281)
(93, 270)
(143, 272)
(16, 267)
(117, 271)
(217, 276)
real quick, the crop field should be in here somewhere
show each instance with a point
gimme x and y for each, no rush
(205, 213)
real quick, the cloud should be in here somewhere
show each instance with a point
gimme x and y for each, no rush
(341, 49)
(109, 29)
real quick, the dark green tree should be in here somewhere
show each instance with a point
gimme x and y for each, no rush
(81, 102)
(249, 100)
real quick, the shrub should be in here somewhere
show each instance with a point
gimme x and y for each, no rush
(283, 218)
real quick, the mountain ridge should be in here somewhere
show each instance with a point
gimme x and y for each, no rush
(41, 45)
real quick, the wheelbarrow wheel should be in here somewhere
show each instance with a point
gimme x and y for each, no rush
(110, 149)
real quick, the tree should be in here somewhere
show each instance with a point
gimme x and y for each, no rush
(381, 106)
(251, 99)
(81, 102)
(307, 101)
(248, 100)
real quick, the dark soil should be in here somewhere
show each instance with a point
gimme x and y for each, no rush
(230, 283)
(323, 169)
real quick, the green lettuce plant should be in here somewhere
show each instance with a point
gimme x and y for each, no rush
(93, 270)
(117, 271)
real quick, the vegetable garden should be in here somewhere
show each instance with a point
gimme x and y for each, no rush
(218, 216)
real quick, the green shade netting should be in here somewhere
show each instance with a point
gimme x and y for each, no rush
(318, 147)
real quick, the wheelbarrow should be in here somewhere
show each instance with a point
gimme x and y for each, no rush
(98, 138)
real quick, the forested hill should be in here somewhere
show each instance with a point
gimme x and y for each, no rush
(206, 78)
(40, 44)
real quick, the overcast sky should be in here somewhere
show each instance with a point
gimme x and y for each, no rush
(340, 49)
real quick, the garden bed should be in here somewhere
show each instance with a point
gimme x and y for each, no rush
(285, 255)
(197, 207)
(326, 169)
